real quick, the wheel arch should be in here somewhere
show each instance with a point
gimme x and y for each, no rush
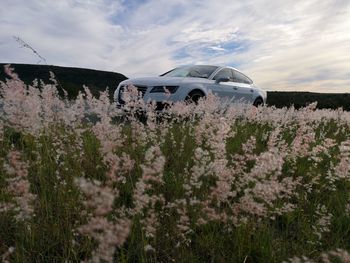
(257, 99)
(198, 90)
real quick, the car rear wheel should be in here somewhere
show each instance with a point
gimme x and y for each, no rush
(258, 102)
(194, 96)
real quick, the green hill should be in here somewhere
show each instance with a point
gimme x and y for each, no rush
(301, 99)
(73, 79)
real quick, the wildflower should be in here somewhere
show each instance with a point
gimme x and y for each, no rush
(342, 170)
(10, 72)
(149, 249)
(19, 186)
(99, 198)
(152, 172)
(323, 222)
(337, 255)
(1, 129)
(5, 257)
(109, 234)
(301, 144)
(340, 254)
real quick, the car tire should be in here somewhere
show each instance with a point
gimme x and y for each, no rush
(194, 96)
(258, 102)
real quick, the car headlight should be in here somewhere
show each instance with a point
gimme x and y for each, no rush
(164, 89)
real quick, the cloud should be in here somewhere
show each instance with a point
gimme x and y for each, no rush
(289, 45)
(64, 32)
(217, 48)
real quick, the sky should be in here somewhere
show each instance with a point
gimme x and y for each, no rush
(289, 45)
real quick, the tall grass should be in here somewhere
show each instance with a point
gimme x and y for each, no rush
(83, 180)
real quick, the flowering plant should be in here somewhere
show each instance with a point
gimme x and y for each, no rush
(85, 180)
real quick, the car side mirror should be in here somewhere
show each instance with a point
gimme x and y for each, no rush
(224, 79)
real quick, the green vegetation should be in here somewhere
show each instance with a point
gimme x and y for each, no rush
(86, 181)
(319, 222)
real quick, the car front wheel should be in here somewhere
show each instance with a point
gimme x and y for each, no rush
(194, 96)
(258, 102)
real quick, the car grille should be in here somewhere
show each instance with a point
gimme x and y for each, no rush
(140, 89)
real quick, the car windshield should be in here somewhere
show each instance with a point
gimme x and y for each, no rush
(199, 71)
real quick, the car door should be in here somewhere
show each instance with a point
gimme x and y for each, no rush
(243, 86)
(224, 86)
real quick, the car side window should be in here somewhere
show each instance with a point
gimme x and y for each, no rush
(240, 78)
(224, 73)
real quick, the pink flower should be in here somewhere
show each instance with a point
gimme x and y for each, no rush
(152, 175)
(109, 234)
(19, 186)
(5, 257)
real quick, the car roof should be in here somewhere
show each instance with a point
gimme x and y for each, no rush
(219, 67)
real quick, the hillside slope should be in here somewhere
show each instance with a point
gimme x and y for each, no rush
(301, 99)
(71, 79)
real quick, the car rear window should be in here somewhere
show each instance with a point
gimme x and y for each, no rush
(239, 77)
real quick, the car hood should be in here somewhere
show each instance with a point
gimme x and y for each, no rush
(155, 81)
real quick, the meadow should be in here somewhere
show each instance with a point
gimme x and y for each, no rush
(84, 181)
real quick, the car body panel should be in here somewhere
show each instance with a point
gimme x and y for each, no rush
(227, 90)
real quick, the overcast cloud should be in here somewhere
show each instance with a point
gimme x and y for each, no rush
(282, 45)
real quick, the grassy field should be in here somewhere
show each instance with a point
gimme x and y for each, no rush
(82, 180)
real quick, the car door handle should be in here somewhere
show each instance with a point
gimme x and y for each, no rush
(235, 88)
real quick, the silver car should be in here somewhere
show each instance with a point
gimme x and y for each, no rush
(190, 83)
